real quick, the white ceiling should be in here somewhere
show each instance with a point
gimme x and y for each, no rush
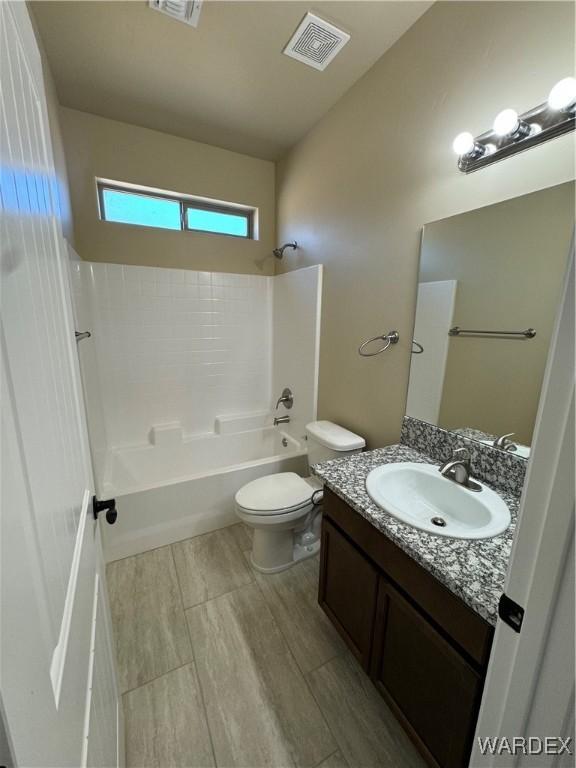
(225, 83)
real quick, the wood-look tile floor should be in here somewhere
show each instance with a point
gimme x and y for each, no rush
(222, 666)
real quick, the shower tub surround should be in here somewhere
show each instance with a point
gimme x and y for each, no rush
(180, 378)
(169, 494)
(474, 570)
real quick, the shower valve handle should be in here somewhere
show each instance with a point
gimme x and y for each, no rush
(108, 505)
(287, 399)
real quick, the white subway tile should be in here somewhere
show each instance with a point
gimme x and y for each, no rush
(188, 346)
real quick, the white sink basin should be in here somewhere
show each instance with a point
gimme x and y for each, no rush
(417, 494)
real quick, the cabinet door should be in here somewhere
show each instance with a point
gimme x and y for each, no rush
(431, 687)
(347, 592)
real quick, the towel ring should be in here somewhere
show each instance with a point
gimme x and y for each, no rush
(392, 337)
(419, 348)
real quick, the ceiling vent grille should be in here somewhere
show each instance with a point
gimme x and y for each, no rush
(187, 11)
(316, 42)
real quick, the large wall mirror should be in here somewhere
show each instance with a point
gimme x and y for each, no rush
(487, 276)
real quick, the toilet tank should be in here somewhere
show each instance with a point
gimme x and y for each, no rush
(327, 440)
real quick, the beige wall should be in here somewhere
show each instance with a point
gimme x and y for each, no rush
(509, 260)
(97, 147)
(357, 190)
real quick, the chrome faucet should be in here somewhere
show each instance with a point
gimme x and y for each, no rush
(504, 443)
(458, 469)
(286, 398)
(281, 420)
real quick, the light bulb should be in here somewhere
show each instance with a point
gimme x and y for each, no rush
(463, 143)
(563, 96)
(506, 122)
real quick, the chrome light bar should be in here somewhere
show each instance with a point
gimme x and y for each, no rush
(514, 133)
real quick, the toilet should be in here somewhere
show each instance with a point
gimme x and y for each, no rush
(284, 508)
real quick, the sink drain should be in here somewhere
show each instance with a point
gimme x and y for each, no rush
(439, 521)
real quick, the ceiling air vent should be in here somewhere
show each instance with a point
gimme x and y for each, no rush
(187, 11)
(316, 42)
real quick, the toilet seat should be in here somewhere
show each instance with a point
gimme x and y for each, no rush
(278, 494)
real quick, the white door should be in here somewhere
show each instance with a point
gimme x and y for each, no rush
(58, 689)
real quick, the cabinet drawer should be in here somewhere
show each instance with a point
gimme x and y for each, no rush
(347, 591)
(465, 627)
(432, 689)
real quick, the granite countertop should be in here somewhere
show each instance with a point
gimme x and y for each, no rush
(473, 569)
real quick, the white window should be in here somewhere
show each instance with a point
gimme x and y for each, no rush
(129, 205)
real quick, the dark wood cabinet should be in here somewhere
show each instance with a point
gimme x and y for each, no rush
(424, 649)
(430, 686)
(348, 591)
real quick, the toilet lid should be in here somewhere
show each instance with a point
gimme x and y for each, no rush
(282, 492)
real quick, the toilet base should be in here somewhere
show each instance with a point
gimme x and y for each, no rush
(299, 552)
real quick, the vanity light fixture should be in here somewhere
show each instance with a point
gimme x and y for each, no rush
(464, 144)
(512, 133)
(563, 96)
(507, 123)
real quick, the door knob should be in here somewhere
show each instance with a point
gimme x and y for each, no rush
(108, 505)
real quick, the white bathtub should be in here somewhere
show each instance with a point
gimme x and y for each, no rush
(171, 492)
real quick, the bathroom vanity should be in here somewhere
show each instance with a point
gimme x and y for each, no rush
(416, 610)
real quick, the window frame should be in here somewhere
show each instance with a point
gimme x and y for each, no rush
(185, 203)
(244, 213)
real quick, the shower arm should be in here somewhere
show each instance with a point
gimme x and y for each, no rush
(279, 252)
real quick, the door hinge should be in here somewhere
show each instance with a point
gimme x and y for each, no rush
(510, 612)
